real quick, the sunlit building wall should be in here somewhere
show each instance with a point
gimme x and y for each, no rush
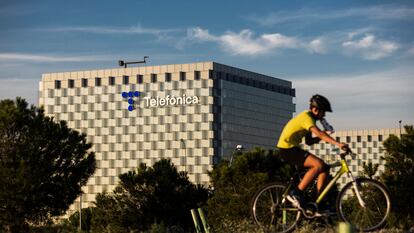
(193, 114)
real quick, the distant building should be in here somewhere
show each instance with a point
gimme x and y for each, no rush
(366, 144)
(194, 114)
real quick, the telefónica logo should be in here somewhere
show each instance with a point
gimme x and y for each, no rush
(130, 97)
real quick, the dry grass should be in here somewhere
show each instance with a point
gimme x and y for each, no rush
(304, 227)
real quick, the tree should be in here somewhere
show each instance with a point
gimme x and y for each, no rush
(398, 175)
(235, 185)
(150, 195)
(369, 169)
(43, 165)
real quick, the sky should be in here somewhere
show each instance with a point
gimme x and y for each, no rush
(359, 54)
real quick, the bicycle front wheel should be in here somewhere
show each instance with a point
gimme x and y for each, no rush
(271, 211)
(377, 204)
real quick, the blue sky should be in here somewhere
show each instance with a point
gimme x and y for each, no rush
(357, 53)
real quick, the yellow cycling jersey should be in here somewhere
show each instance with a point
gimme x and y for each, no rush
(296, 129)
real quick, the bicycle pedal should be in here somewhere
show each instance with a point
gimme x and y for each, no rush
(326, 213)
(317, 214)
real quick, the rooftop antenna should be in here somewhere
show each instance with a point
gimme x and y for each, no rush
(124, 63)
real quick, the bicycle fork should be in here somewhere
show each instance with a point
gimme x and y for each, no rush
(356, 190)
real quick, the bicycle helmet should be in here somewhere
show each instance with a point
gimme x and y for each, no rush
(320, 102)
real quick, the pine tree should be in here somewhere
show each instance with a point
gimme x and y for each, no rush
(399, 172)
(43, 165)
(150, 195)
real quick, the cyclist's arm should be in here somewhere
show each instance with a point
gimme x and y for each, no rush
(309, 140)
(325, 137)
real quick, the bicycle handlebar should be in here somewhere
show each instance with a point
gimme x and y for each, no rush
(347, 151)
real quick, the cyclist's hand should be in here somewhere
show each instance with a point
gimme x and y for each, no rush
(343, 146)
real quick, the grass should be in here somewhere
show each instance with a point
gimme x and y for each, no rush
(246, 226)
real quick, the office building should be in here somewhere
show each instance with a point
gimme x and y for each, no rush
(193, 114)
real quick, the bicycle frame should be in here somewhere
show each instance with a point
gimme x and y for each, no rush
(344, 169)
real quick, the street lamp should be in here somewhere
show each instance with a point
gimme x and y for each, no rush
(124, 64)
(238, 149)
(80, 212)
(400, 126)
(185, 154)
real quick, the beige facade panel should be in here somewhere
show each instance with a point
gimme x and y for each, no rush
(193, 135)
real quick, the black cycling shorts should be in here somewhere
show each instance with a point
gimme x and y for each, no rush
(295, 156)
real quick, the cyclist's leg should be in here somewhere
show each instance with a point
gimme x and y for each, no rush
(322, 180)
(295, 156)
(316, 167)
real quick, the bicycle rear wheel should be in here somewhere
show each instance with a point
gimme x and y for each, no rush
(271, 212)
(377, 204)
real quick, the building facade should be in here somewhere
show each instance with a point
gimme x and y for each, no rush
(366, 144)
(193, 114)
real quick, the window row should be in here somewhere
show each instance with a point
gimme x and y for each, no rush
(256, 83)
(368, 138)
(86, 127)
(183, 87)
(155, 149)
(353, 145)
(126, 80)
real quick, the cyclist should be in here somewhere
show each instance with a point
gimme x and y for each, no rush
(304, 126)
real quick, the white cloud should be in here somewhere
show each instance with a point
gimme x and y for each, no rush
(317, 46)
(201, 34)
(133, 30)
(245, 42)
(11, 57)
(385, 12)
(372, 100)
(369, 47)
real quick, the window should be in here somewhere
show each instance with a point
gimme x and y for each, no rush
(243, 81)
(125, 80)
(369, 138)
(197, 75)
(111, 81)
(57, 84)
(167, 77)
(182, 76)
(84, 82)
(71, 83)
(380, 138)
(348, 139)
(98, 82)
(140, 78)
(153, 78)
(358, 138)
(211, 74)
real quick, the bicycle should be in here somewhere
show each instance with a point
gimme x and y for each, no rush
(364, 203)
